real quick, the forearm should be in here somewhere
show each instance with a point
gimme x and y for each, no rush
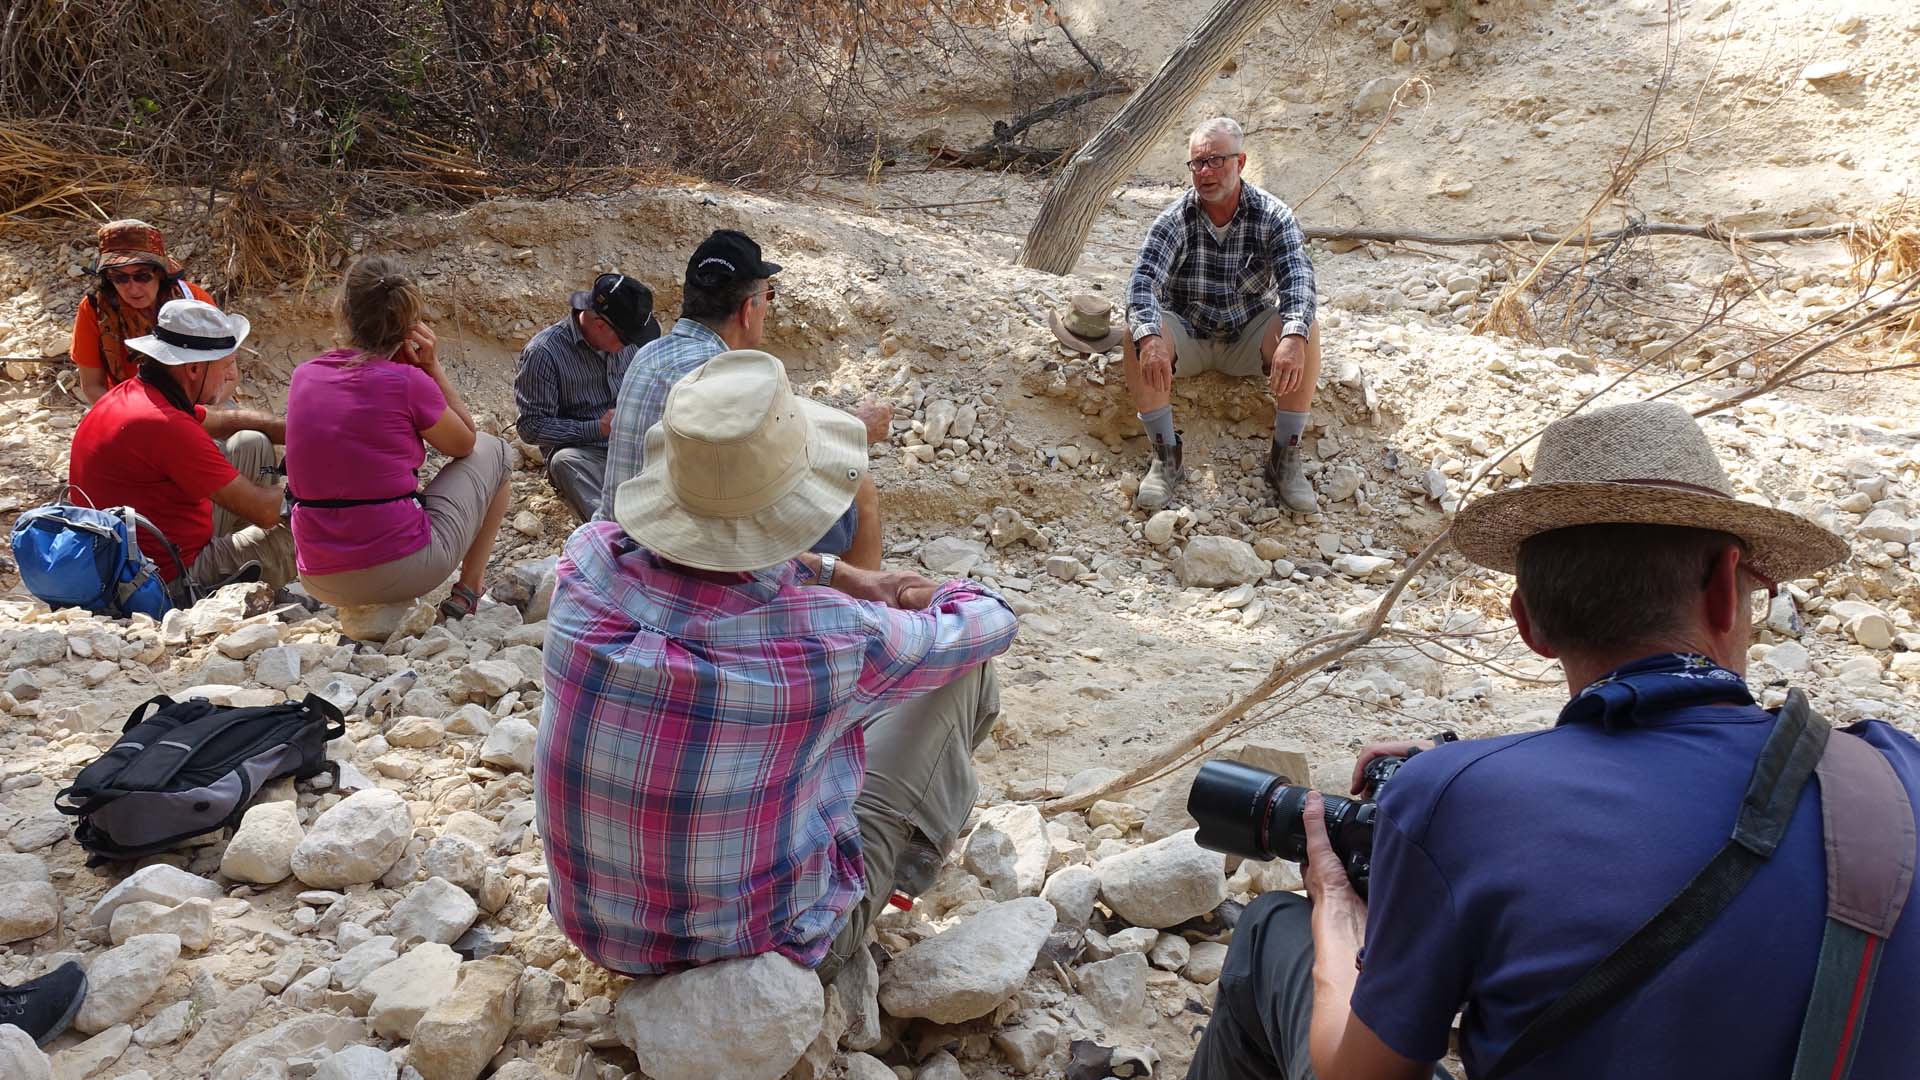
(1297, 296)
(1143, 301)
(1338, 930)
(221, 423)
(559, 431)
(93, 383)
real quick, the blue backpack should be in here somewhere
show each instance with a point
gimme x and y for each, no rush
(76, 556)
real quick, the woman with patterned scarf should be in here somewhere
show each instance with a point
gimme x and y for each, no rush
(134, 277)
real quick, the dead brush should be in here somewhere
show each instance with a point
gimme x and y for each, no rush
(1886, 247)
(271, 238)
(45, 178)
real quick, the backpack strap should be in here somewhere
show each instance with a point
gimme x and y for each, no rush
(1793, 749)
(1867, 823)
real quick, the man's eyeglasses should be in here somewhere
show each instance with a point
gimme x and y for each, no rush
(1212, 162)
(771, 294)
(1760, 599)
(130, 277)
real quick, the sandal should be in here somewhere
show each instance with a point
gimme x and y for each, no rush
(460, 603)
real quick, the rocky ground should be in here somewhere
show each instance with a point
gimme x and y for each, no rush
(394, 921)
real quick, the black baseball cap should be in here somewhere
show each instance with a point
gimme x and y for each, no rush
(725, 257)
(626, 303)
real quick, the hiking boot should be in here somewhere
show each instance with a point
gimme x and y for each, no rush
(917, 866)
(43, 1007)
(1162, 477)
(1287, 477)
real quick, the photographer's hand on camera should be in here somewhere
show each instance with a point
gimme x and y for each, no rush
(1376, 751)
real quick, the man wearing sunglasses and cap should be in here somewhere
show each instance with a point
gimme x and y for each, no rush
(727, 294)
(569, 376)
(1670, 881)
(144, 444)
(746, 747)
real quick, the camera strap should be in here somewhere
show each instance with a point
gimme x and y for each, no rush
(1869, 833)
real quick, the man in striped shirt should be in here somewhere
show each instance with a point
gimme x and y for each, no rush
(744, 746)
(1223, 284)
(568, 377)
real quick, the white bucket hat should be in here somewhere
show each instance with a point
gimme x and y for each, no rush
(1647, 463)
(192, 332)
(742, 473)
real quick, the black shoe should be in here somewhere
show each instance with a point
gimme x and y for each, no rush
(45, 1006)
(917, 867)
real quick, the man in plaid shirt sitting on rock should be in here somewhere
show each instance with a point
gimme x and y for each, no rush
(746, 746)
(1223, 284)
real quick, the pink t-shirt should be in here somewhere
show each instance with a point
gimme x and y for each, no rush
(353, 432)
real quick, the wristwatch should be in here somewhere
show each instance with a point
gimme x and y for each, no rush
(828, 564)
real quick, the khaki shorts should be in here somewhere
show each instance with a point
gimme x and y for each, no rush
(456, 503)
(1238, 357)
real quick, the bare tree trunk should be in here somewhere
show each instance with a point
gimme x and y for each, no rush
(1060, 232)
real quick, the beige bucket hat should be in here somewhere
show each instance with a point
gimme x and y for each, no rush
(1648, 463)
(1087, 326)
(742, 473)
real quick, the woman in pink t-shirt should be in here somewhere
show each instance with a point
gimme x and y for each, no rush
(364, 531)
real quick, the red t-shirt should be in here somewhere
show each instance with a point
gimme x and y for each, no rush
(135, 448)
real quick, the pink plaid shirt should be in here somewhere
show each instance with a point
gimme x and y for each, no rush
(700, 748)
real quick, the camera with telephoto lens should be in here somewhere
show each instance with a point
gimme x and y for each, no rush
(1260, 815)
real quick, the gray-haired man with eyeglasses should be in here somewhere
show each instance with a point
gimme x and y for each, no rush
(1223, 284)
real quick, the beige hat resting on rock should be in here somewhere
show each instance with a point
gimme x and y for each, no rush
(742, 473)
(1648, 463)
(1088, 325)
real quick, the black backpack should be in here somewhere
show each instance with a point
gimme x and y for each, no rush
(190, 767)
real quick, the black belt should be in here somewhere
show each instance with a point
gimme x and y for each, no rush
(334, 504)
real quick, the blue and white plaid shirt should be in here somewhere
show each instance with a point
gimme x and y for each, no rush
(643, 399)
(1217, 286)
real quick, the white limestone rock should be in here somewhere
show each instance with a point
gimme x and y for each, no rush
(435, 910)
(1164, 883)
(1215, 561)
(20, 1059)
(510, 745)
(120, 980)
(1205, 959)
(160, 883)
(1117, 987)
(27, 910)
(748, 1019)
(1009, 849)
(405, 989)
(970, 968)
(261, 851)
(460, 1034)
(191, 922)
(355, 841)
(357, 1063)
(247, 640)
(1072, 890)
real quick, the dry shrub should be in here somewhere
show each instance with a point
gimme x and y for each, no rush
(42, 179)
(295, 115)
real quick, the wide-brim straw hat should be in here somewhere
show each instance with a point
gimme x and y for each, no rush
(1648, 463)
(192, 332)
(130, 241)
(742, 473)
(1088, 325)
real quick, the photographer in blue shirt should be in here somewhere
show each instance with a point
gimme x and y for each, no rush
(1505, 870)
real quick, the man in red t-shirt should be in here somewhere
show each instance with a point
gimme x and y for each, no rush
(143, 444)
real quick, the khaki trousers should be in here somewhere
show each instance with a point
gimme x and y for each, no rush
(236, 541)
(919, 780)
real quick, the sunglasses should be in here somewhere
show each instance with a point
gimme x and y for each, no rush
(130, 277)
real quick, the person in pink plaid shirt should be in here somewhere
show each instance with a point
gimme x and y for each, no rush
(744, 744)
